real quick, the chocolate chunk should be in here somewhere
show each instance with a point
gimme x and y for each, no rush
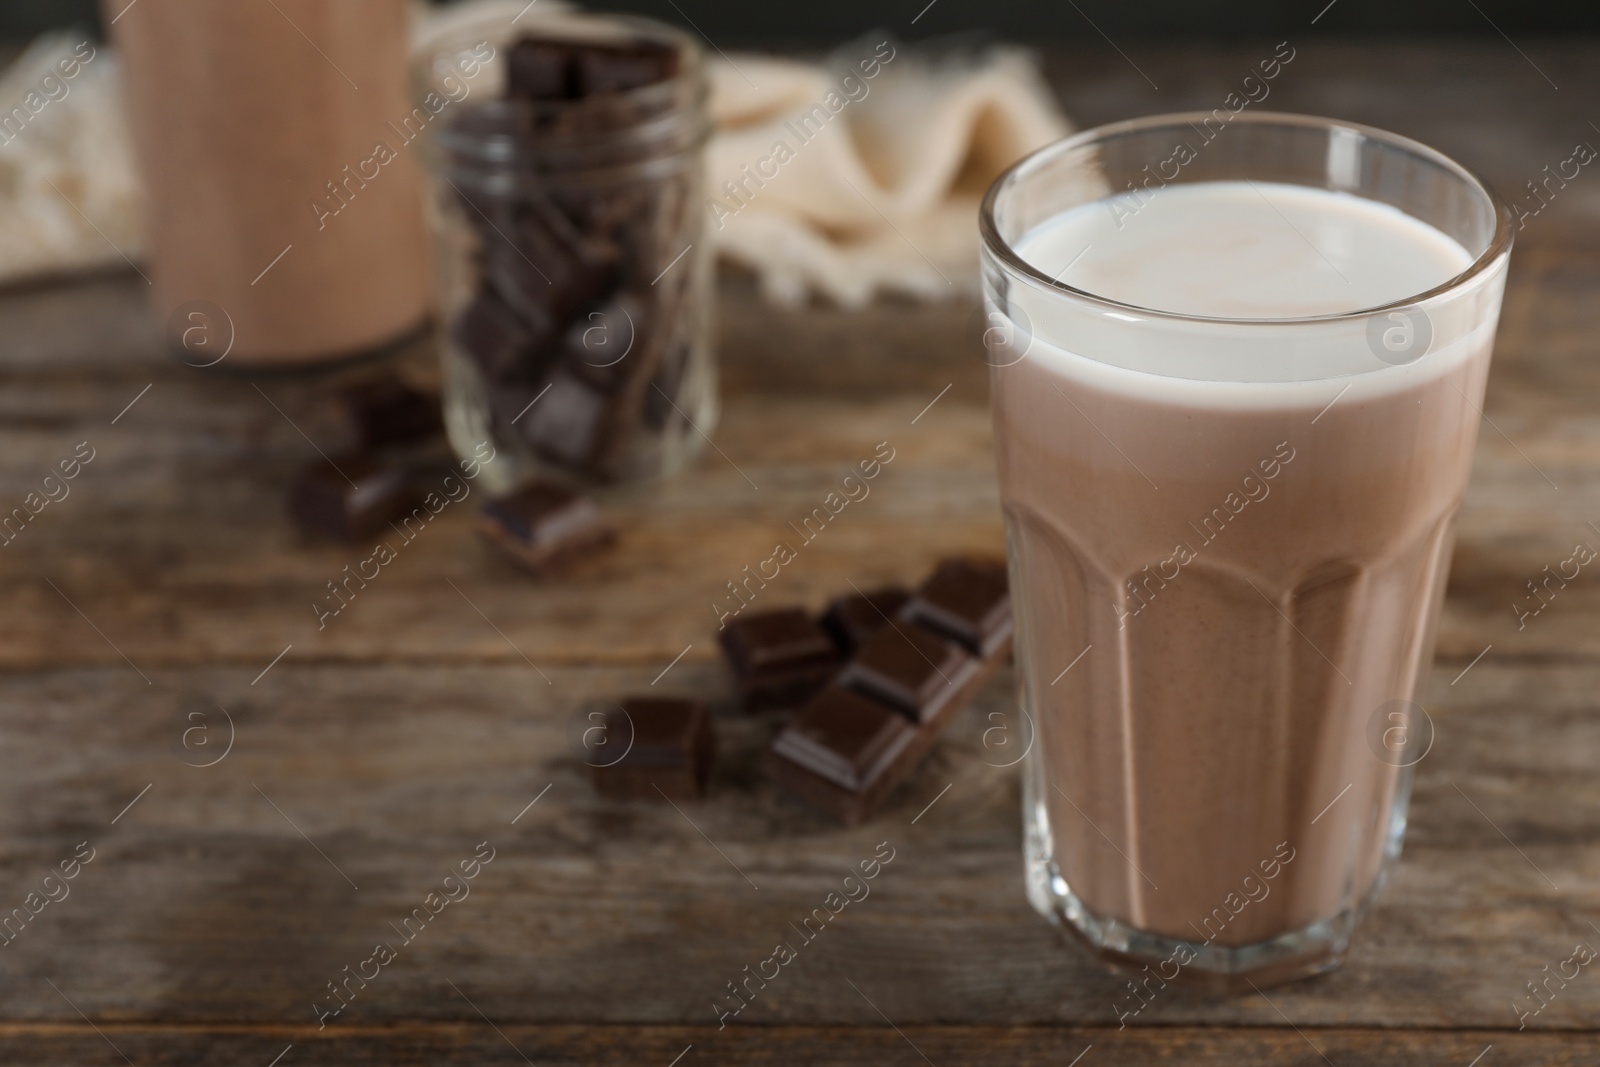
(602, 345)
(653, 748)
(620, 68)
(549, 69)
(510, 402)
(546, 274)
(351, 497)
(910, 669)
(841, 760)
(540, 70)
(779, 658)
(966, 601)
(570, 424)
(497, 339)
(854, 618)
(389, 412)
(544, 526)
(844, 766)
(845, 738)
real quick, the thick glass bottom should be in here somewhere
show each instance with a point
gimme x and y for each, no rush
(1300, 953)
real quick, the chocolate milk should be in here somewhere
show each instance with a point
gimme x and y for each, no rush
(1249, 568)
(256, 126)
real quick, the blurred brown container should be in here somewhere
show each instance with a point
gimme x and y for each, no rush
(285, 205)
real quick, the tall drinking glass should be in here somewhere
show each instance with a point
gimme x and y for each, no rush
(1237, 363)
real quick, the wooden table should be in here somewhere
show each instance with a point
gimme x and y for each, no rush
(370, 757)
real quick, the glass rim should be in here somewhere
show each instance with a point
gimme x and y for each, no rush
(996, 245)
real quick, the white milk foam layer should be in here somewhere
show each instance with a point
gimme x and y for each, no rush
(1245, 250)
(1235, 250)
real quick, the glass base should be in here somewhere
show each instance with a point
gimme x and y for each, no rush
(1300, 953)
(1297, 954)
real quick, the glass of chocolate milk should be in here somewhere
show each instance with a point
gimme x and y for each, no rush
(1237, 366)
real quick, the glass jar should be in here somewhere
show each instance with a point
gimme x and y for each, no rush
(575, 276)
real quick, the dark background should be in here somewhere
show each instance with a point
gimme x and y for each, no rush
(742, 23)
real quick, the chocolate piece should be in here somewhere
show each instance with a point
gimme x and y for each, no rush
(570, 425)
(966, 601)
(351, 498)
(801, 771)
(854, 618)
(911, 669)
(620, 68)
(510, 402)
(663, 747)
(544, 526)
(603, 345)
(839, 755)
(540, 70)
(389, 412)
(845, 738)
(496, 338)
(542, 273)
(779, 658)
(552, 69)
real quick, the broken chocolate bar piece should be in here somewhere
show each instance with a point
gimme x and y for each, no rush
(540, 70)
(389, 412)
(623, 67)
(541, 274)
(654, 748)
(544, 526)
(966, 601)
(571, 423)
(800, 770)
(911, 669)
(351, 497)
(854, 618)
(602, 345)
(845, 738)
(840, 765)
(545, 69)
(497, 339)
(779, 658)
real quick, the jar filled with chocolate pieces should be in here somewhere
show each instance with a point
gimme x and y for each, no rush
(575, 273)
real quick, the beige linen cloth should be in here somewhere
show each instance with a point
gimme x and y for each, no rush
(69, 198)
(883, 195)
(886, 153)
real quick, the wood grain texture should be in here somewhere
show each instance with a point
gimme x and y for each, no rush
(175, 542)
(380, 750)
(205, 904)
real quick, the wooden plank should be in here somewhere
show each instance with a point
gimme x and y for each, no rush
(192, 559)
(869, 1045)
(205, 904)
